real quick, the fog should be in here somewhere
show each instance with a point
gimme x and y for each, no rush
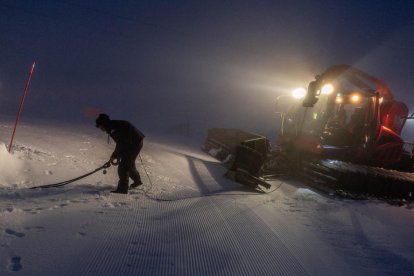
(216, 64)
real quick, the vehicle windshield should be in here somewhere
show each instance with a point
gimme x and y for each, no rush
(345, 109)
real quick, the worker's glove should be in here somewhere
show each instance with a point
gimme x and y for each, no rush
(114, 161)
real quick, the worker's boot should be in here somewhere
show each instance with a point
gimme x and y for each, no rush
(120, 191)
(136, 184)
(136, 177)
(122, 188)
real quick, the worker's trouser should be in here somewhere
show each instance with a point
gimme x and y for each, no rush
(127, 169)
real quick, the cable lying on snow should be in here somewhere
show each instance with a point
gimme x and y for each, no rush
(59, 184)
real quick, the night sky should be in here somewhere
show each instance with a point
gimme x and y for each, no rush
(215, 63)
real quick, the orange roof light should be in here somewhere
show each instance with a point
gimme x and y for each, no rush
(355, 98)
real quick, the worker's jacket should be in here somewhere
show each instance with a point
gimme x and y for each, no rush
(128, 138)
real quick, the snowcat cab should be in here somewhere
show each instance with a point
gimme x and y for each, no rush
(344, 117)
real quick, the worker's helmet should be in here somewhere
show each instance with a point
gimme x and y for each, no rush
(102, 120)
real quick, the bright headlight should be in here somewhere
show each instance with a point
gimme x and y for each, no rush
(327, 89)
(299, 93)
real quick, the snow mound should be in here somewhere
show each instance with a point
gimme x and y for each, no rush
(11, 167)
(307, 194)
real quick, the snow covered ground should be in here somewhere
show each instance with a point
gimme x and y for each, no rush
(186, 220)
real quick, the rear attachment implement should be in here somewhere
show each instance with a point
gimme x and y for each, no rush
(242, 152)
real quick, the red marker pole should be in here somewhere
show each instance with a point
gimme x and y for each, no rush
(21, 104)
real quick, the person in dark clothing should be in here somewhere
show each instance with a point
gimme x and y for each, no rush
(129, 142)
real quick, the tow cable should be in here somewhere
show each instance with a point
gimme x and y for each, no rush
(59, 184)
